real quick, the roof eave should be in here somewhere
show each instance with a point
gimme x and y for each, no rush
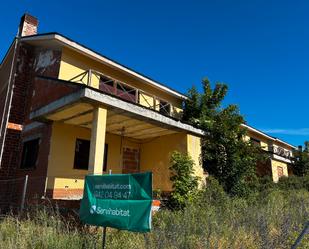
(265, 135)
(64, 41)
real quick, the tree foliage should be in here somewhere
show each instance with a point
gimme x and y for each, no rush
(301, 161)
(226, 154)
(185, 183)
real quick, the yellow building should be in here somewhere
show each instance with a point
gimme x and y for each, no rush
(119, 120)
(279, 153)
(84, 113)
(68, 111)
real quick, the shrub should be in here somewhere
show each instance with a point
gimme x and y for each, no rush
(185, 184)
(294, 182)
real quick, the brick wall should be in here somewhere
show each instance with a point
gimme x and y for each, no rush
(23, 74)
(49, 90)
(26, 68)
(28, 25)
(3, 95)
(37, 175)
(131, 160)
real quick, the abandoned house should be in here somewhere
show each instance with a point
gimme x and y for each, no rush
(67, 111)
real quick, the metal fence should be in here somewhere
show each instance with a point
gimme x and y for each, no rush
(16, 193)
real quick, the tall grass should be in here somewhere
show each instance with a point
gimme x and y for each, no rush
(271, 219)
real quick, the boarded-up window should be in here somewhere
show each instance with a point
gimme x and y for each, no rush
(280, 171)
(130, 160)
(81, 158)
(30, 154)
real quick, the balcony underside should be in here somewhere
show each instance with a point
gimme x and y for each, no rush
(123, 118)
(118, 122)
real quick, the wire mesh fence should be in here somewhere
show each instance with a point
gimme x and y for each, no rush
(10, 193)
(22, 192)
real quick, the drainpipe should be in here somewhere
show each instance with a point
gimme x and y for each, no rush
(8, 99)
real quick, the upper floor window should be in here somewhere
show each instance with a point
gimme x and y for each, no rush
(255, 141)
(30, 154)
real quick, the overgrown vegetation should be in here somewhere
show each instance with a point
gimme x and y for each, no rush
(185, 183)
(226, 155)
(235, 210)
(271, 219)
(301, 161)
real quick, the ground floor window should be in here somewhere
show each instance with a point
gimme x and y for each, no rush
(30, 154)
(280, 171)
(81, 157)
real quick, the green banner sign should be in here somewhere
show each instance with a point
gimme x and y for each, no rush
(121, 201)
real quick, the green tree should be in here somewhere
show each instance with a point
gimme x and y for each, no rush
(185, 183)
(225, 153)
(301, 161)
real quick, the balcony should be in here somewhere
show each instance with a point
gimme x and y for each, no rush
(281, 153)
(125, 92)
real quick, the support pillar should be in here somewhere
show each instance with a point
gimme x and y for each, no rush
(97, 142)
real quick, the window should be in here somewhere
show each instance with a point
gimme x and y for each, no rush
(255, 141)
(280, 171)
(130, 160)
(81, 158)
(30, 154)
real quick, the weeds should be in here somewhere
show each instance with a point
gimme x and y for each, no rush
(271, 219)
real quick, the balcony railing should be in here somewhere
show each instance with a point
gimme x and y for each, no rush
(124, 91)
(279, 151)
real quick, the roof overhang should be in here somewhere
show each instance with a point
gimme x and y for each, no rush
(54, 39)
(267, 136)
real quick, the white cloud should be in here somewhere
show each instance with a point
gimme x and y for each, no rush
(299, 132)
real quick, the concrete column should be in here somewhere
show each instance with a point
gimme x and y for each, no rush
(97, 142)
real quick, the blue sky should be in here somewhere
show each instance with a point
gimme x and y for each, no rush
(259, 48)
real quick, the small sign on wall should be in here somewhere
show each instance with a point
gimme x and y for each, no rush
(13, 126)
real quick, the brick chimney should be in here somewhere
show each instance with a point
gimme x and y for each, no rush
(28, 25)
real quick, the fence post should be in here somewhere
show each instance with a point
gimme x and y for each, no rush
(24, 193)
(105, 228)
(45, 186)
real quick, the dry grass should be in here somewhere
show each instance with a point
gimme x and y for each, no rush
(269, 220)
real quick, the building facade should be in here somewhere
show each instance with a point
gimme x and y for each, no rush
(67, 111)
(279, 154)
